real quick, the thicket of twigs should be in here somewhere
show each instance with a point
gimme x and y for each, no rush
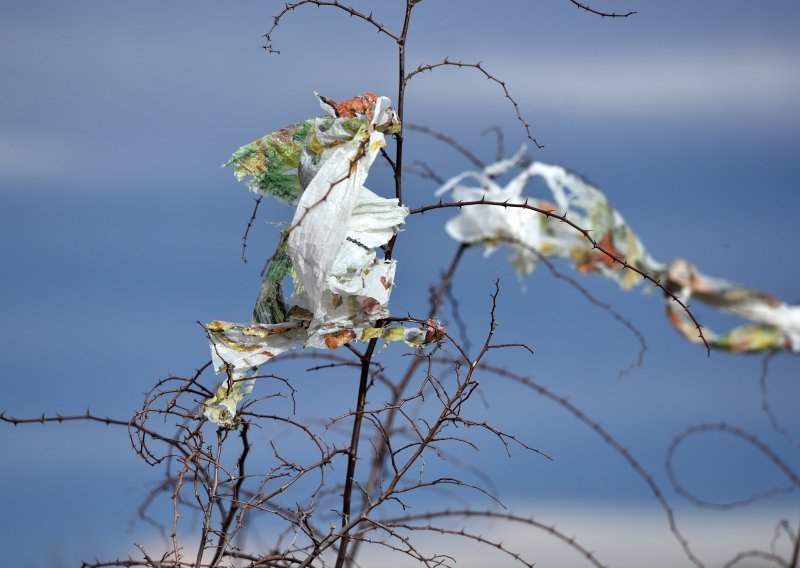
(323, 490)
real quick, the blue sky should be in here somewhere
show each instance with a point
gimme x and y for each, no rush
(120, 230)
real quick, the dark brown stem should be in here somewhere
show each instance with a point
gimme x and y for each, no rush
(250, 226)
(352, 457)
(401, 94)
(451, 406)
(397, 165)
(226, 524)
(399, 390)
(212, 500)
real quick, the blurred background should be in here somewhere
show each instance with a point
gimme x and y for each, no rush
(119, 230)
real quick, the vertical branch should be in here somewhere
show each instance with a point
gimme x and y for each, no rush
(250, 226)
(367, 358)
(212, 498)
(225, 538)
(795, 561)
(401, 93)
(352, 458)
(399, 390)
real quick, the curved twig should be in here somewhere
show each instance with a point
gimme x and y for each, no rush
(585, 233)
(765, 405)
(289, 7)
(501, 146)
(551, 267)
(551, 529)
(758, 444)
(450, 141)
(479, 66)
(471, 536)
(760, 554)
(587, 8)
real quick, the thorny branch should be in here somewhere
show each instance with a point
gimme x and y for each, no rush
(397, 167)
(551, 267)
(249, 226)
(451, 412)
(587, 8)
(585, 233)
(446, 62)
(289, 7)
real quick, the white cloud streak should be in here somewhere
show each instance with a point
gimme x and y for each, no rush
(657, 82)
(623, 536)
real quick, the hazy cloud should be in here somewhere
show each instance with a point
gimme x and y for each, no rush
(693, 82)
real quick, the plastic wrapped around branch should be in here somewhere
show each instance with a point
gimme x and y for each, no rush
(341, 287)
(238, 348)
(776, 325)
(321, 221)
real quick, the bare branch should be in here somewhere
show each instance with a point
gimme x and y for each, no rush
(551, 267)
(495, 515)
(498, 132)
(761, 555)
(249, 226)
(289, 7)
(765, 405)
(450, 141)
(479, 66)
(587, 8)
(786, 469)
(585, 233)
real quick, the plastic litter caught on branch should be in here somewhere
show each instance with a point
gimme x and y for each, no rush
(341, 287)
(528, 234)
